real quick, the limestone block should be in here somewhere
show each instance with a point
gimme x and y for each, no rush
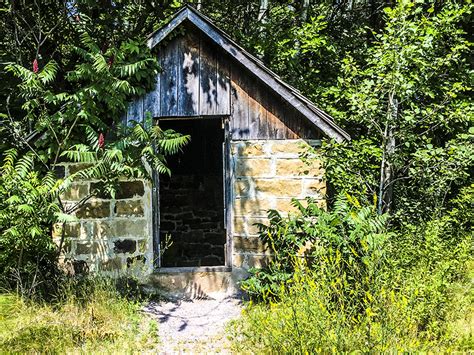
(126, 189)
(258, 261)
(250, 244)
(279, 187)
(78, 230)
(249, 148)
(252, 225)
(239, 226)
(121, 228)
(286, 205)
(88, 247)
(113, 264)
(296, 167)
(243, 188)
(144, 246)
(289, 147)
(252, 207)
(76, 192)
(74, 168)
(238, 260)
(94, 209)
(248, 261)
(129, 189)
(248, 226)
(129, 208)
(254, 167)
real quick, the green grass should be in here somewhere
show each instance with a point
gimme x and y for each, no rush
(92, 318)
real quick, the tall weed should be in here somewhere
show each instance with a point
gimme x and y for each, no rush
(89, 316)
(360, 286)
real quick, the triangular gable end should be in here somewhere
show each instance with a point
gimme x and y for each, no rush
(265, 77)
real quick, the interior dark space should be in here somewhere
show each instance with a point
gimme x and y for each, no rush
(191, 199)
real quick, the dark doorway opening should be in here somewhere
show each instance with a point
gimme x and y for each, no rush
(192, 199)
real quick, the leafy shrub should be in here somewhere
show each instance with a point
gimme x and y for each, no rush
(27, 212)
(354, 231)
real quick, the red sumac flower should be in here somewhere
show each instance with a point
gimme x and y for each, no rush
(101, 141)
(35, 66)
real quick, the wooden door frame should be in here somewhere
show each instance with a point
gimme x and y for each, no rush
(228, 178)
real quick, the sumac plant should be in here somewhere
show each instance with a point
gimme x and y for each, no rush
(75, 116)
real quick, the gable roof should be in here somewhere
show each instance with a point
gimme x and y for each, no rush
(292, 96)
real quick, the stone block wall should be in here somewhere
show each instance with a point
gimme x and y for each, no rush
(116, 235)
(268, 175)
(111, 235)
(192, 216)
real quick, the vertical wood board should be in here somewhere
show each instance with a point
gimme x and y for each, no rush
(188, 75)
(208, 80)
(169, 79)
(239, 105)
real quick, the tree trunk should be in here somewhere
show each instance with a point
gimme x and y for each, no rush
(304, 11)
(385, 195)
(262, 12)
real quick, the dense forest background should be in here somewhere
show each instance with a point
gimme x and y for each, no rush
(396, 75)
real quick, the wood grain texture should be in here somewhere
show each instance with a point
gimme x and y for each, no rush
(239, 105)
(169, 79)
(152, 101)
(135, 111)
(208, 81)
(200, 79)
(223, 84)
(188, 75)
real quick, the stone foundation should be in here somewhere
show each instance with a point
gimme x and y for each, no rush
(268, 175)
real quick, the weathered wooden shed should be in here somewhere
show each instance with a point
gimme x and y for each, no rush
(248, 128)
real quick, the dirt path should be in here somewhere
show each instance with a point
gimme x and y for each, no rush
(194, 326)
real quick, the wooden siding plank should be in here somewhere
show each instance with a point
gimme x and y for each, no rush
(223, 85)
(188, 76)
(289, 120)
(169, 78)
(277, 128)
(257, 113)
(208, 80)
(135, 111)
(239, 105)
(152, 101)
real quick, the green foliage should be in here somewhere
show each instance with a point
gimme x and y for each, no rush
(362, 288)
(409, 95)
(90, 316)
(135, 153)
(28, 209)
(79, 124)
(102, 81)
(352, 230)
